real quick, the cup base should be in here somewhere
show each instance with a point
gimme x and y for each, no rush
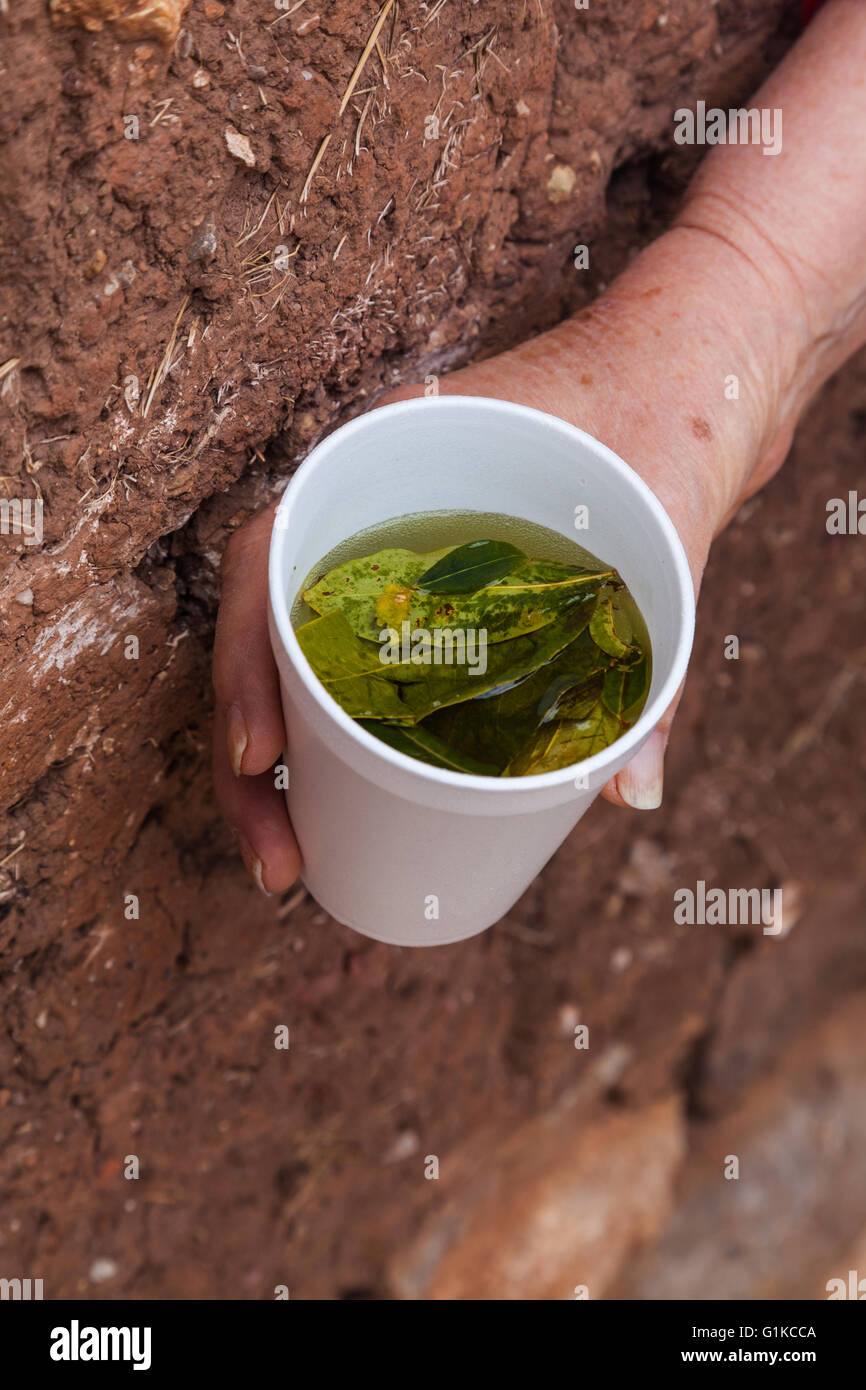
(384, 937)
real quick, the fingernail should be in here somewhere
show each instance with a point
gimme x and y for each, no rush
(253, 864)
(640, 782)
(237, 737)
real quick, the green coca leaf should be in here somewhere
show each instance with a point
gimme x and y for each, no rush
(579, 700)
(377, 591)
(350, 669)
(567, 741)
(418, 742)
(502, 611)
(470, 567)
(357, 586)
(507, 663)
(403, 690)
(625, 690)
(605, 621)
(497, 727)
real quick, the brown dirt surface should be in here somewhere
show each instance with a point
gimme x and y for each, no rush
(212, 252)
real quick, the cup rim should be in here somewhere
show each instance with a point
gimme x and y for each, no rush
(652, 711)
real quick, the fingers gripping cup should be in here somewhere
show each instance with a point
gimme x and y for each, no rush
(400, 850)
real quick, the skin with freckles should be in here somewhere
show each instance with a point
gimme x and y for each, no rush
(762, 276)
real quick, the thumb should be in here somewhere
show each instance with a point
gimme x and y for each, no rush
(641, 782)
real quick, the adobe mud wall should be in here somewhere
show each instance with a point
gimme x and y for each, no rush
(169, 366)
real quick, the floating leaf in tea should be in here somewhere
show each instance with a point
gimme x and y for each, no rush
(467, 568)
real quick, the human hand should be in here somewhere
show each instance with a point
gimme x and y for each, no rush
(248, 719)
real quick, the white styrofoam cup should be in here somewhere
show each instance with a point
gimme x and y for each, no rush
(402, 851)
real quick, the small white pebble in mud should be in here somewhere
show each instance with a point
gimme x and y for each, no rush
(200, 78)
(239, 146)
(102, 1270)
(567, 1019)
(561, 183)
(621, 960)
(404, 1146)
(25, 597)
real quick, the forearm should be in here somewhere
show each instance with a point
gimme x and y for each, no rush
(799, 217)
(796, 221)
(758, 291)
(698, 360)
